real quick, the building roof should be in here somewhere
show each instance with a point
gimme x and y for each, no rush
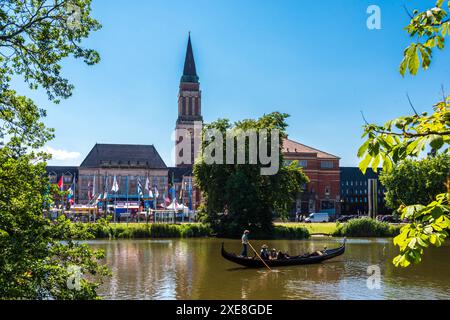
(290, 146)
(123, 156)
(62, 170)
(189, 71)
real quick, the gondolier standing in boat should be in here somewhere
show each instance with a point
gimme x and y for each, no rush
(245, 243)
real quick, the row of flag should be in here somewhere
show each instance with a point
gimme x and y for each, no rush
(152, 192)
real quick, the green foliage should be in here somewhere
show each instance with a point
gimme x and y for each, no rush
(37, 34)
(34, 37)
(416, 181)
(237, 196)
(291, 232)
(430, 27)
(102, 229)
(429, 227)
(34, 264)
(406, 137)
(365, 227)
(105, 230)
(409, 136)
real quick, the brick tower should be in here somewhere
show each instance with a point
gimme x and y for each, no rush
(190, 120)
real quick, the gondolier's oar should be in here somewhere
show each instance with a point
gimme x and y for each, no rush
(259, 256)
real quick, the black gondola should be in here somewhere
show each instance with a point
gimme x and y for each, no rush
(311, 258)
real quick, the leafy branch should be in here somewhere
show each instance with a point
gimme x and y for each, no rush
(430, 27)
(410, 136)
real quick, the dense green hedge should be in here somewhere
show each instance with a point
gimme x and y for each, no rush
(366, 227)
(102, 230)
(291, 232)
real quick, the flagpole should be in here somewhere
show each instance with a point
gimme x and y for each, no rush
(139, 198)
(127, 197)
(190, 195)
(74, 190)
(155, 203)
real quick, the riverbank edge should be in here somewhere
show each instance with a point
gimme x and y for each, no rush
(282, 231)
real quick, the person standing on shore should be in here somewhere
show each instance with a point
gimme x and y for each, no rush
(244, 239)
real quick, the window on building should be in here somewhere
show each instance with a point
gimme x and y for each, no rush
(326, 205)
(190, 106)
(52, 177)
(303, 163)
(183, 105)
(326, 164)
(327, 191)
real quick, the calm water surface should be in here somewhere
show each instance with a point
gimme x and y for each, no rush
(194, 269)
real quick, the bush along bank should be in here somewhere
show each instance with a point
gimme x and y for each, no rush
(105, 230)
(366, 227)
(291, 232)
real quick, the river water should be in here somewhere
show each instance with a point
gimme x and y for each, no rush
(194, 269)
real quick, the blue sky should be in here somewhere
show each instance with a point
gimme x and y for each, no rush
(315, 60)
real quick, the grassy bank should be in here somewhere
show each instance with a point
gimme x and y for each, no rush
(354, 228)
(312, 228)
(364, 227)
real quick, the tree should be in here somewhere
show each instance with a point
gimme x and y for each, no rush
(416, 181)
(238, 196)
(409, 136)
(35, 35)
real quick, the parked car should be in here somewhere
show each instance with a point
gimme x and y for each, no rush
(346, 218)
(318, 217)
(391, 219)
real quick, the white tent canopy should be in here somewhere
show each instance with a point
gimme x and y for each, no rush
(175, 206)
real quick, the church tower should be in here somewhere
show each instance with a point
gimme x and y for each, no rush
(190, 120)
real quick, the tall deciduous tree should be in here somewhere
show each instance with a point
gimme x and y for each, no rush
(416, 181)
(409, 136)
(238, 196)
(35, 36)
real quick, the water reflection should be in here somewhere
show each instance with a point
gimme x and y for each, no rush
(194, 269)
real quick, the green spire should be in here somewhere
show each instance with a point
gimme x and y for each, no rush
(189, 71)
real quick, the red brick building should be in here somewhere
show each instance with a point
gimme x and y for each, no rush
(322, 193)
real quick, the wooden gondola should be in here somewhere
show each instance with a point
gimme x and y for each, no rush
(311, 258)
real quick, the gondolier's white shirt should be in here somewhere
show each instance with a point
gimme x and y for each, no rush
(244, 239)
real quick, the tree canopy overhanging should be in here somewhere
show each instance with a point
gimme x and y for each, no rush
(35, 37)
(410, 136)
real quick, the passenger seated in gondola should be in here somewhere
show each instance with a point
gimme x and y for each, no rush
(273, 254)
(316, 253)
(264, 252)
(282, 255)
